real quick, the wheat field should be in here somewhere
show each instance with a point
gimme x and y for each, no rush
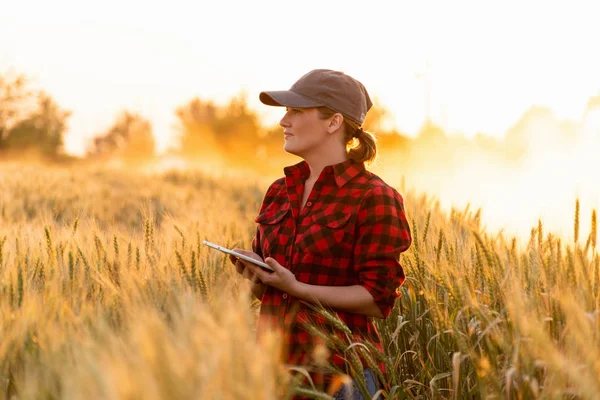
(106, 292)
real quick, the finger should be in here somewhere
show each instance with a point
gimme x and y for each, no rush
(255, 279)
(251, 275)
(262, 275)
(248, 274)
(247, 264)
(273, 263)
(233, 259)
(239, 267)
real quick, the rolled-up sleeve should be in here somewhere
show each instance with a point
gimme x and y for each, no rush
(269, 197)
(383, 233)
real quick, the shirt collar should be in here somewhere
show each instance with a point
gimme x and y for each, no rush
(342, 172)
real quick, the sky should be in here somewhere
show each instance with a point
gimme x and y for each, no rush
(472, 66)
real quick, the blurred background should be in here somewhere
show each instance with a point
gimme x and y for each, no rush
(491, 105)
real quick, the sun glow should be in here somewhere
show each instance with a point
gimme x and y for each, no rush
(541, 177)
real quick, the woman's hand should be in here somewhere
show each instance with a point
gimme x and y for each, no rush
(282, 278)
(241, 266)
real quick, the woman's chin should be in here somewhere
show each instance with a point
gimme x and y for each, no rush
(290, 149)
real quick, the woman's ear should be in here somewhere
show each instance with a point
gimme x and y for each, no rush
(336, 122)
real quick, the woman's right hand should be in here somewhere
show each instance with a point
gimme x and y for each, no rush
(242, 268)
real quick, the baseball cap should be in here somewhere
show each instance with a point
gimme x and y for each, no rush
(324, 87)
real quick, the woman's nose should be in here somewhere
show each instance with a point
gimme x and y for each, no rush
(284, 122)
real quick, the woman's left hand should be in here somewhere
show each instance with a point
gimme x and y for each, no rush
(282, 278)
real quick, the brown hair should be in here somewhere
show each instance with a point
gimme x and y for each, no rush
(366, 150)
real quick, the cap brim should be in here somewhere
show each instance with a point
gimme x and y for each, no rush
(287, 98)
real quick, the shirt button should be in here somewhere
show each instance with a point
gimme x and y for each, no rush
(284, 296)
(309, 203)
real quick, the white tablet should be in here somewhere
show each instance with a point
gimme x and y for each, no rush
(238, 255)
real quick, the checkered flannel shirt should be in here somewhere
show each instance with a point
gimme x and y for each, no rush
(351, 231)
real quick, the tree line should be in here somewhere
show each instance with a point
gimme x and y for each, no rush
(31, 122)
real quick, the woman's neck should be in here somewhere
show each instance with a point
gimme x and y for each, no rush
(317, 165)
(332, 151)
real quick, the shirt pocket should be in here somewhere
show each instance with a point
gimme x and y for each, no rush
(329, 235)
(270, 223)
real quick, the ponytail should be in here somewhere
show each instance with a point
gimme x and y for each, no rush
(366, 149)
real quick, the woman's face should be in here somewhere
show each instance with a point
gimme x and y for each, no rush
(304, 131)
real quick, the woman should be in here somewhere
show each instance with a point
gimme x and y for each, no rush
(331, 230)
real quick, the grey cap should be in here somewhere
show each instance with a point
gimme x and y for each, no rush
(324, 87)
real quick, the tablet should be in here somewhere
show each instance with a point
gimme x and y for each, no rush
(238, 255)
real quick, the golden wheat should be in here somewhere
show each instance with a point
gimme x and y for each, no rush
(82, 315)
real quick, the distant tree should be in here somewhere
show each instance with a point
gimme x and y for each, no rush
(43, 129)
(16, 99)
(431, 134)
(237, 123)
(195, 127)
(393, 141)
(129, 138)
(232, 130)
(522, 132)
(537, 128)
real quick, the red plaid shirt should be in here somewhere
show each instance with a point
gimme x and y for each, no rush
(351, 231)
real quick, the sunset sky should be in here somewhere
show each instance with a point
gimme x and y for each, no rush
(485, 63)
